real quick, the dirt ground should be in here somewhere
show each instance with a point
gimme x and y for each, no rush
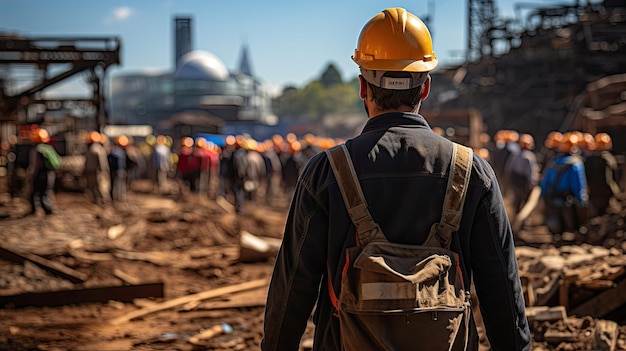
(188, 243)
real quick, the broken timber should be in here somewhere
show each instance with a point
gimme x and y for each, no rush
(68, 297)
(602, 304)
(50, 266)
(190, 298)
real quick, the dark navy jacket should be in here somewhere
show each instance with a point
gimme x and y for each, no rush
(402, 166)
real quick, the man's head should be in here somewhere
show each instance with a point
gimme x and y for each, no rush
(395, 54)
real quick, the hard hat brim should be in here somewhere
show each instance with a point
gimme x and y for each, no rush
(397, 65)
(404, 81)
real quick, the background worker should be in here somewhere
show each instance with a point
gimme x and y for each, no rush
(96, 168)
(564, 188)
(41, 175)
(523, 171)
(602, 173)
(402, 166)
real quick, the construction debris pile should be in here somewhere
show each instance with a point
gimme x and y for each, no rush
(565, 286)
(188, 274)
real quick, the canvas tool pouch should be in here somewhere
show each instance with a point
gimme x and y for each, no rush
(402, 297)
(397, 297)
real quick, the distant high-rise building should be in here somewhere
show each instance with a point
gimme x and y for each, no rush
(182, 39)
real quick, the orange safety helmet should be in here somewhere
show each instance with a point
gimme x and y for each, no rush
(395, 40)
(588, 142)
(93, 137)
(553, 139)
(568, 142)
(527, 142)
(483, 152)
(39, 135)
(603, 141)
(121, 140)
(295, 147)
(230, 140)
(187, 142)
(161, 139)
(201, 142)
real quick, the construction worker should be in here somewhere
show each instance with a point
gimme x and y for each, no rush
(96, 169)
(40, 172)
(188, 166)
(601, 171)
(564, 187)
(402, 167)
(506, 145)
(523, 171)
(552, 142)
(201, 149)
(118, 168)
(161, 162)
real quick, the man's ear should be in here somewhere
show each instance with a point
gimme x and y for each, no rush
(362, 87)
(426, 88)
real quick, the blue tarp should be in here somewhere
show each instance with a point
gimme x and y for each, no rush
(217, 139)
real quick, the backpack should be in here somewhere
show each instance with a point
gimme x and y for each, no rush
(52, 160)
(398, 297)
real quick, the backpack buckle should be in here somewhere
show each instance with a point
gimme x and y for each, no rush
(365, 225)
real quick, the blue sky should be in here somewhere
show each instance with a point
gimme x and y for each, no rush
(290, 41)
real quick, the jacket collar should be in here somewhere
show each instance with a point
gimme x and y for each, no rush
(395, 119)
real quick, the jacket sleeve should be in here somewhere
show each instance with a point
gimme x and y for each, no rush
(496, 276)
(297, 274)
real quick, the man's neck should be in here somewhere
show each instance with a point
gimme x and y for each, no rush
(376, 112)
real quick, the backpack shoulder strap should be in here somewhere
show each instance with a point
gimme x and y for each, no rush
(354, 200)
(458, 179)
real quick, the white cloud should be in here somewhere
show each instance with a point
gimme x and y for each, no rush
(122, 13)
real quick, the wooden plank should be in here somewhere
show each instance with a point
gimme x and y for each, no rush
(545, 313)
(127, 278)
(172, 259)
(251, 298)
(50, 266)
(602, 304)
(255, 248)
(556, 337)
(210, 333)
(98, 294)
(190, 298)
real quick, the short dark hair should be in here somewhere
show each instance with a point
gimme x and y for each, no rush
(388, 99)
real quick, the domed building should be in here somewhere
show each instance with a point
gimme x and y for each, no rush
(201, 65)
(200, 94)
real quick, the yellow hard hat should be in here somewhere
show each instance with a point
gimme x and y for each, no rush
(395, 40)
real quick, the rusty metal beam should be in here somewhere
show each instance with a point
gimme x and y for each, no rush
(53, 50)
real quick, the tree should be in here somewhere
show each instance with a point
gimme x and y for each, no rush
(326, 95)
(331, 76)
